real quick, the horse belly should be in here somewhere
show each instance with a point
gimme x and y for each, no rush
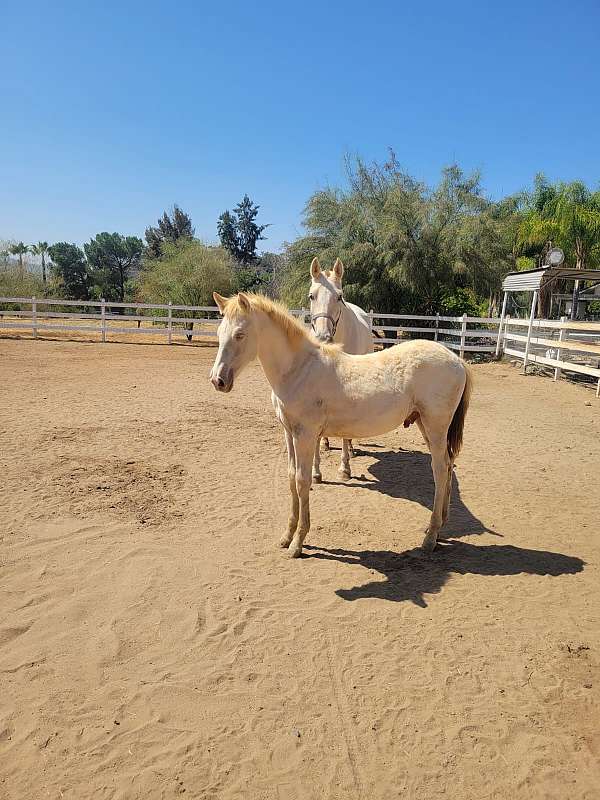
(369, 421)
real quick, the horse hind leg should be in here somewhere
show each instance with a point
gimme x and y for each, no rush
(344, 471)
(316, 470)
(441, 466)
(448, 495)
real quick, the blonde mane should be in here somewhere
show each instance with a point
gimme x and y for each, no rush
(294, 330)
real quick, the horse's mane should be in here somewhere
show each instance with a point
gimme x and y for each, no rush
(292, 327)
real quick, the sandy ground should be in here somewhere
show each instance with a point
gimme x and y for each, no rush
(155, 642)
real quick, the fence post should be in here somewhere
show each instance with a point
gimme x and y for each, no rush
(462, 335)
(170, 324)
(557, 370)
(499, 341)
(528, 342)
(437, 324)
(103, 318)
(371, 321)
(34, 317)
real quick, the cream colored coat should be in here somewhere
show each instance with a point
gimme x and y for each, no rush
(318, 390)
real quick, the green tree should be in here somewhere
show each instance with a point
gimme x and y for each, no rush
(187, 273)
(568, 214)
(70, 270)
(405, 245)
(239, 232)
(18, 249)
(170, 228)
(41, 249)
(112, 261)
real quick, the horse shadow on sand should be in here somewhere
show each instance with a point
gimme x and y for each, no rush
(412, 574)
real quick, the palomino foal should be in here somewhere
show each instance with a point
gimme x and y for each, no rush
(318, 390)
(335, 320)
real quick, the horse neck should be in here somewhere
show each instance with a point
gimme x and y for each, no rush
(277, 355)
(346, 327)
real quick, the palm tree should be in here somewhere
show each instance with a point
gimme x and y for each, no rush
(569, 215)
(41, 249)
(18, 250)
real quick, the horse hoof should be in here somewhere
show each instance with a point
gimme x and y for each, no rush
(295, 552)
(429, 543)
(317, 478)
(284, 541)
(344, 475)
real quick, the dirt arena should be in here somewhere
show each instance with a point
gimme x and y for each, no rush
(155, 642)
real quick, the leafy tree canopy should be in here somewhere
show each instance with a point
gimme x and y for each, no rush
(187, 273)
(405, 245)
(239, 232)
(69, 269)
(170, 228)
(113, 260)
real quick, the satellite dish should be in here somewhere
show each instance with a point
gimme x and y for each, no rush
(556, 257)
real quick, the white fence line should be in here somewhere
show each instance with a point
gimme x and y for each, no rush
(471, 334)
(560, 347)
(41, 316)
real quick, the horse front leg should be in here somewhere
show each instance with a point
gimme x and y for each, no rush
(293, 519)
(304, 448)
(316, 470)
(344, 470)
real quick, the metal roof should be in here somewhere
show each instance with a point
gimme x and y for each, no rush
(530, 280)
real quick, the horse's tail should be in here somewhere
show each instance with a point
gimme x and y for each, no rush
(455, 431)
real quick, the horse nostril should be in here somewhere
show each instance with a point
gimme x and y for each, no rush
(220, 383)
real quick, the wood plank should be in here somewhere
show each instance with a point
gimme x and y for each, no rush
(562, 344)
(551, 362)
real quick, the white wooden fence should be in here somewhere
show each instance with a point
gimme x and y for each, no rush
(457, 333)
(560, 345)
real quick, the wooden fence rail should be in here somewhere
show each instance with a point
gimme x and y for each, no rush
(560, 344)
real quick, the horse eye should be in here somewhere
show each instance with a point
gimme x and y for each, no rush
(239, 336)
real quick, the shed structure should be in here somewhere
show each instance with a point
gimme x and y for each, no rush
(534, 280)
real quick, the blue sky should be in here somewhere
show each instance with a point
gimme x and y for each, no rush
(112, 112)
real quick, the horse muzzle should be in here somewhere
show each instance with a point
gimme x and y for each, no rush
(223, 381)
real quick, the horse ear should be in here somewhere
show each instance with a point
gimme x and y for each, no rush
(220, 301)
(315, 268)
(338, 269)
(244, 302)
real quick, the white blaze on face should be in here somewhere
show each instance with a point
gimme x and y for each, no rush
(325, 296)
(237, 344)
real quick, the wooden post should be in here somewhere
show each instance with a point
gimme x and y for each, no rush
(34, 317)
(528, 342)
(557, 370)
(170, 324)
(462, 335)
(103, 318)
(437, 325)
(502, 316)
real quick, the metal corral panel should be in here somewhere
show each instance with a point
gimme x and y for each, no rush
(523, 281)
(531, 279)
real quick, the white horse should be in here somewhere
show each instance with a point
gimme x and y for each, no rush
(335, 320)
(318, 390)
